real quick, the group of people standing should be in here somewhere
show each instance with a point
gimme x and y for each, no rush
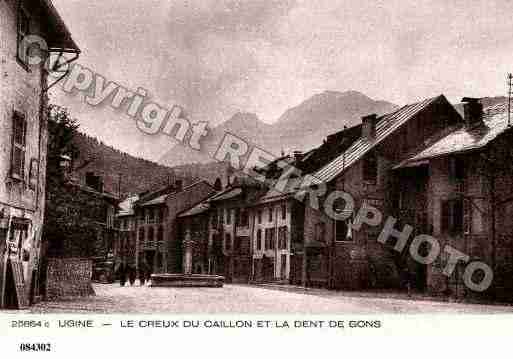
(128, 273)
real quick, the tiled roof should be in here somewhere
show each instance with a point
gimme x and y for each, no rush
(385, 126)
(197, 209)
(157, 200)
(273, 195)
(127, 206)
(462, 139)
(163, 197)
(227, 194)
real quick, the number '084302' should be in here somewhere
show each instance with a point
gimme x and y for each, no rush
(35, 347)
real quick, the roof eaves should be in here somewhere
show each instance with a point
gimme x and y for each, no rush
(384, 128)
(60, 24)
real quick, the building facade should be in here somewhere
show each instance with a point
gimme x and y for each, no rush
(23, 141)
(157, 246)
(466, 190)
(354, 259)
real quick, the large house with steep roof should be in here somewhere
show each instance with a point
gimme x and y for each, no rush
(463, 180)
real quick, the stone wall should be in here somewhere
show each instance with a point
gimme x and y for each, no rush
(68, 277)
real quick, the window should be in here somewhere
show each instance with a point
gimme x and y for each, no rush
(244, 220)
(282, 237)
(343, 230)
(269, 238)
(456, 216)
(141, 235)
(370, 168)
(151, 237)
(33, 173)
(18, 237)
(283, 211)
(456, 169)
(160, 234)
(228, 216)
(237, 216)
(259, 214)
(227, 242)
(151, 215)
(160, 215)
(259, 240)
(320, 230)
(237, 244)
(272, 238)
(18, 146)
(23, 30)
(270, 214)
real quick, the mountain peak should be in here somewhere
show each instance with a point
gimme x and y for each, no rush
(348, 93)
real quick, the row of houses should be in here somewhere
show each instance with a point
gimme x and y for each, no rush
(424, 164)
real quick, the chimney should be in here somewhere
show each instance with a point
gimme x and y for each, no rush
(178, 185)
(472, 111)
(369, 126)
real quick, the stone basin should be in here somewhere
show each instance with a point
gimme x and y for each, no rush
(186, 280)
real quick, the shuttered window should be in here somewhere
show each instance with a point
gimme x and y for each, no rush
(259, 240)
(282, 237)
(227, 242)
(343, 230)
(320, 231)
(456, 216)
(456, 169)
(23, 30)
(467, 216)
(18, 146)
(370, 168)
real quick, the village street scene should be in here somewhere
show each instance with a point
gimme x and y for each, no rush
(115, 201)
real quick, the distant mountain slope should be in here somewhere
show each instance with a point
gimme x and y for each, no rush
(486, 101)
(306, 125)
(115, 167)
(299, 128)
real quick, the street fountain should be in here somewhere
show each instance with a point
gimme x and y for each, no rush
(186, 279)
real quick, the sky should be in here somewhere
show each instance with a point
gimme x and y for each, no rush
(217, 57)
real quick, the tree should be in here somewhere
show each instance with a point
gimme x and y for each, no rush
(61, 130)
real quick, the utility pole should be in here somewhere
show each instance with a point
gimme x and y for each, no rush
(510, 78)
(119, 184)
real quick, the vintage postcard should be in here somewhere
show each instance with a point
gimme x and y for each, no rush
(174, 173)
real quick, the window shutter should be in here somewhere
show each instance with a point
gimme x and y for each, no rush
(467, 216)
(446, 213)
(18, 146)
(457, 216)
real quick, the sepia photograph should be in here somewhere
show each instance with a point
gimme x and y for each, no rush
(326, 167)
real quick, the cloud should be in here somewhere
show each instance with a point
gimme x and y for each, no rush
(216, 57)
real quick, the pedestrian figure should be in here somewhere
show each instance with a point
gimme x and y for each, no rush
(148, 274)
(407, 280)
(142, 272)
(131, 275)
(122, 274)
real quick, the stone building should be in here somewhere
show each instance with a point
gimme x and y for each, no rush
(124, 248)
(156, 224)
(231, 223)
(23, 141)
(354, 259)
(277, 236)
(465, 192)
(422, 164)
(80, 223)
